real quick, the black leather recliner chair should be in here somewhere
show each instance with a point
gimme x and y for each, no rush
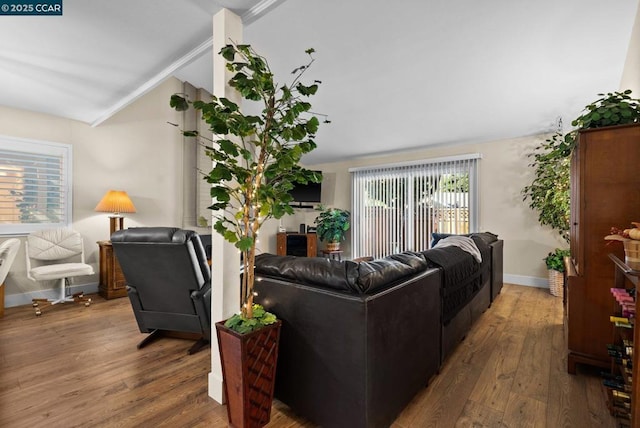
(168, 281)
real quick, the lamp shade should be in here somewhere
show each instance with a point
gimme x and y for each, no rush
(116, 201)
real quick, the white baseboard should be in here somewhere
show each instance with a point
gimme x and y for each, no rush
(20, 299)
(529, 281)
(216, 388)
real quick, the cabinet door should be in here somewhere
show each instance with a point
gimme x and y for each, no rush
(112, 281)
(119, 284)
(605, 192)
(609, 196)
(312, 246)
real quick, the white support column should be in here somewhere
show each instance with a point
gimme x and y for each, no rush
(225, 278)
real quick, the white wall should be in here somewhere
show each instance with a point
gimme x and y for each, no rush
(631, 74)
(135, 150)
(139, 152)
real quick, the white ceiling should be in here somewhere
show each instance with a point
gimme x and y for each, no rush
(92, 60)
(396, 74)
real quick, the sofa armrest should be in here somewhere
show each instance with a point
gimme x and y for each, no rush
(497, 268)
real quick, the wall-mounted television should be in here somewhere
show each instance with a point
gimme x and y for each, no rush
(305, 195)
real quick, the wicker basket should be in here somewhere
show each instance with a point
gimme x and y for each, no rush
(632, 254)
(556, 283)
(333, 246)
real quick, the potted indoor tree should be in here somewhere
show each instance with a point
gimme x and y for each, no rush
(332, 225)
(256, 163)
(549, 192)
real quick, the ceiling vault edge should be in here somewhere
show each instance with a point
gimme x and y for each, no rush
(249, 16)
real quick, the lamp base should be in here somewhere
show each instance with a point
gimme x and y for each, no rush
(116, 222)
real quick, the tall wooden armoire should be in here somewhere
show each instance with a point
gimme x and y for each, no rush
(605, 192)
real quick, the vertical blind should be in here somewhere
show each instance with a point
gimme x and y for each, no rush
(35, 185)
(196, 163)
(397, 207)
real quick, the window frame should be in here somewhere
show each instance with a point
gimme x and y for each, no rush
(41, 147)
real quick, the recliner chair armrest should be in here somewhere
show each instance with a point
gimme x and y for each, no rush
(203, 293)
(202, 302)
(134, 298)
(207, 300)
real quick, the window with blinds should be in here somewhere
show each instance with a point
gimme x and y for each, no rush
(35, 185)
(397, 207)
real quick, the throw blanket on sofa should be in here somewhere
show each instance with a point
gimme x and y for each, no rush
(463, 242)
(462, 277)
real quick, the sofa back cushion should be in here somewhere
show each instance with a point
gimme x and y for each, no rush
(382, 273)
(318, 271)
(344, 276)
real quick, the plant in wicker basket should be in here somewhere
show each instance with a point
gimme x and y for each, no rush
(555, 259)
(555, 267)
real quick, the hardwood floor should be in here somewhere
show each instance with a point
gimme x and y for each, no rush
(79, 367)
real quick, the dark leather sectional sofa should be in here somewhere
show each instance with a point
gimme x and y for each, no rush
(359, 340)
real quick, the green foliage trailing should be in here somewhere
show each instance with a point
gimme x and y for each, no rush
(555, 259)
(549, 193)
(256, 157)
(241, 324)
(332, 223)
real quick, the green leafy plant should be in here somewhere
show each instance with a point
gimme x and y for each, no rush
(332, 223)
(614, 108)
(255, 156)
(555, 259)
(549, 193)
(242, 325)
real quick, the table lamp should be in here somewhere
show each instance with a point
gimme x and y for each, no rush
(116, 202)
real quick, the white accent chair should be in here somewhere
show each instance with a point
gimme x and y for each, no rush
(53, 251)
(8, 251)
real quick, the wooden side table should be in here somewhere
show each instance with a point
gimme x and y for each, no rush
(112, 283)
(296, 244)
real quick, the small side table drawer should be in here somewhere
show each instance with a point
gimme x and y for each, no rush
(112, 281)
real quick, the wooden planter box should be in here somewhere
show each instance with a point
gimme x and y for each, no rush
(249, 370)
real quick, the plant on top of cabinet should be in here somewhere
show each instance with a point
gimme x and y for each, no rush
(549, 191)
(614, 108)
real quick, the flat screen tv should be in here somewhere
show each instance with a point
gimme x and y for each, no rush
(305, 195)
